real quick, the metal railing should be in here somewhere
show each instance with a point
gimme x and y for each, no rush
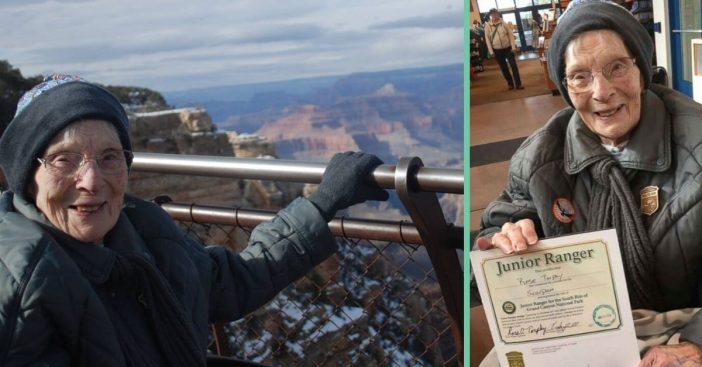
(377, 303)
(425, 179)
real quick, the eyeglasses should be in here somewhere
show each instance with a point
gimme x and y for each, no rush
(582, 81)
(110, 162)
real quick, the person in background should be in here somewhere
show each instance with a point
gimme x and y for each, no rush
(536, 24)
(500, 41)
(642, 10)
(90, 276)
(625, 154)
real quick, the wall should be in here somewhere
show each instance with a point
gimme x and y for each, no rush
(474, 15)
(663, 44)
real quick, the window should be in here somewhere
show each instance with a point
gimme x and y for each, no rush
(511, 19)
(689, 20)
(485, 5)
(505, 4)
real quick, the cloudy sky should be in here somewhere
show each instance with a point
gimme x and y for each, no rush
(172, 45)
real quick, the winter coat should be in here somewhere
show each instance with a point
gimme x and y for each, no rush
(54, 306)
(549, 183)
(499, 36)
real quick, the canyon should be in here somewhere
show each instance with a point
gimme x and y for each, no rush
(392, 114)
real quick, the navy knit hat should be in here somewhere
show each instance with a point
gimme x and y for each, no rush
(46, 110)
(582, 16)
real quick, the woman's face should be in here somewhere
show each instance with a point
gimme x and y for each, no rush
(87, 204)
(611, 109)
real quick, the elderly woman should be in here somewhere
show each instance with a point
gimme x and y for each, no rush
(626, 154)
(93, 277)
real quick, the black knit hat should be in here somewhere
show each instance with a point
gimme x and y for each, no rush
(586, 16)
(45, 111)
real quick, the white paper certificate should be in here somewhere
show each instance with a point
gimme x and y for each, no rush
(563, 302)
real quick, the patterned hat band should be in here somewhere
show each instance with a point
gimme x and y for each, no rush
(43, 112)
(49, 82)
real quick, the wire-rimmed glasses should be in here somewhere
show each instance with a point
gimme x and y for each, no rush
(110, 162)
(582, 81)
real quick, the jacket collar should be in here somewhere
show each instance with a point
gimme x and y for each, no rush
(94, 261)
(648, 148)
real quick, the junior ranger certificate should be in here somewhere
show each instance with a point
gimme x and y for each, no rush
(562, 302)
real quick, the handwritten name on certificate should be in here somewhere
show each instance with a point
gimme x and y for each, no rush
(565, 299)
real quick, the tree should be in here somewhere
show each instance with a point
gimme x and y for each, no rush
(136, 99)
(12, 86)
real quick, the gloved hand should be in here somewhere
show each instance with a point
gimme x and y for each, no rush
(344, 183)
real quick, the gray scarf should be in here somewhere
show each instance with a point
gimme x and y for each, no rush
(175, 337)
(613, 205)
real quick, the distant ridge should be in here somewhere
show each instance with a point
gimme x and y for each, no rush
(396, 113)
(409, 71)
(244, 92)
(249, 105)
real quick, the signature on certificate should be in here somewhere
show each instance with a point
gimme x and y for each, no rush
(556, 327)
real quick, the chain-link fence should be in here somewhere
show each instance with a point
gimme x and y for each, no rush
(373, 304)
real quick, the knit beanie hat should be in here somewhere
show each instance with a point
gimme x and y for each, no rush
(43, 112)
(582, 16)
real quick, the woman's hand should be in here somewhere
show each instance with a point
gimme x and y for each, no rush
(684, 354)
(513, 237)
(345, 183)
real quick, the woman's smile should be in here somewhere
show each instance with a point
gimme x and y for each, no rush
(610, 108)
(86, 203)
(86, 210)
(608, 113)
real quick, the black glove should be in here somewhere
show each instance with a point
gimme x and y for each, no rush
(345, 182)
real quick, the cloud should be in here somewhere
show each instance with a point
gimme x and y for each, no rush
(179, 44)
(452, 19)
(279, 33)
(16, 3)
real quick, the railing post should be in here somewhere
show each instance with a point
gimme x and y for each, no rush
(425, 211)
